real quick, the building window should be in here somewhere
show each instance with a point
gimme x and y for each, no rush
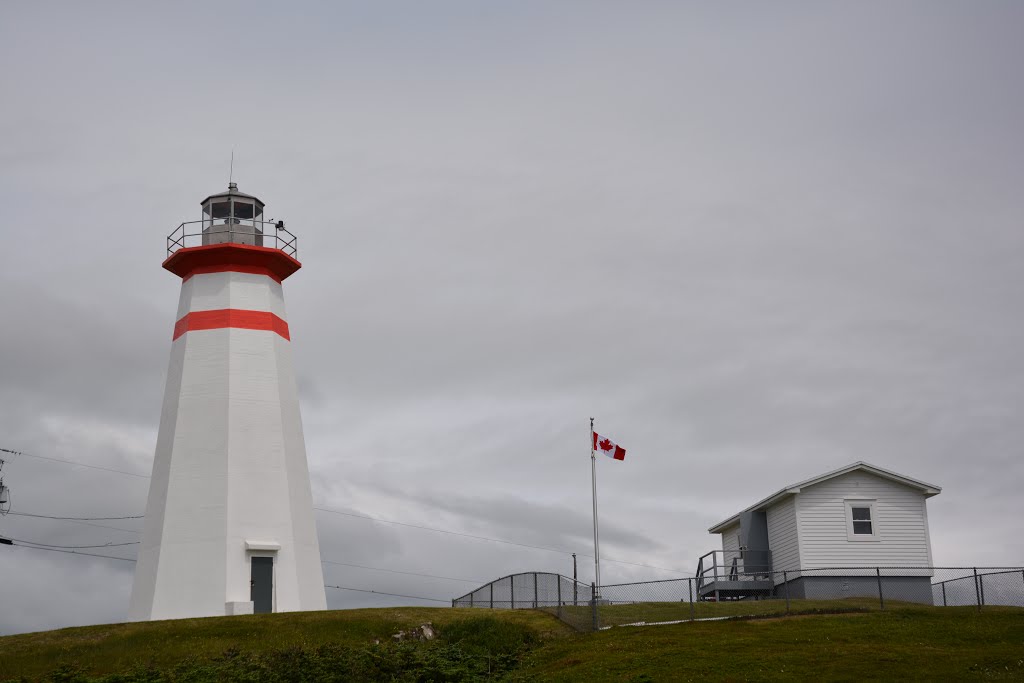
(861, 520)
(861, 523)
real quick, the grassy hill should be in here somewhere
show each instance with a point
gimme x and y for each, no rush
(911, 643)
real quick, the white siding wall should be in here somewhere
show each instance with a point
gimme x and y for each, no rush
(782, 536)
(731, 541)
(900, 524)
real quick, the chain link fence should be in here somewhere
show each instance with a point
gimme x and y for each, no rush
(570, 601)
(751, 594)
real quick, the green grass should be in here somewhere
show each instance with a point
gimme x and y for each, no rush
(162, 644)
(901, 643)
(923, 643)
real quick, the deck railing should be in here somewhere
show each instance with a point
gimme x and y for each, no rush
(733, 565)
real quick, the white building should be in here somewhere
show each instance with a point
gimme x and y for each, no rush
(229, 525)
(828, 531)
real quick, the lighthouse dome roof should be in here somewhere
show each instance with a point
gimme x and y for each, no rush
(233, 191)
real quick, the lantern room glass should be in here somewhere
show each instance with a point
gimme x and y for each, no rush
(230, 218)
(227, 210)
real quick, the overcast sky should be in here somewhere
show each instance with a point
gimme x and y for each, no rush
(756, 241)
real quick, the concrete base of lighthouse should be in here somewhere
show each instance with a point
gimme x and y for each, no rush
(233, 609)
(229, 526)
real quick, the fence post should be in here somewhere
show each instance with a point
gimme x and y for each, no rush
(977, 590)
(785, 582)
(470, 599)
(536, 594)
(593, 606)
(981, 585)
(492, 595)
(512, 591)
(689, 584)
(714, 566)
(453, 603)
(944, 594)
(558, 580)
(881, 600)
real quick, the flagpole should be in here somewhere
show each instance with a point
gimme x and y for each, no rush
(597, 547)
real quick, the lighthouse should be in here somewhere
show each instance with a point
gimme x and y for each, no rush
(229, 525)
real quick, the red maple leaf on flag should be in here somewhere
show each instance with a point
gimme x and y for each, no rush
(606, 445)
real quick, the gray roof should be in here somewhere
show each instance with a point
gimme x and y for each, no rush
(927, 489)
(232, 191)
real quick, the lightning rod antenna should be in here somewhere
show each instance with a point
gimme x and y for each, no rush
(231, 173)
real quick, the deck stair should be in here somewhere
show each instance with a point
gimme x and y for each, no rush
(735, 575)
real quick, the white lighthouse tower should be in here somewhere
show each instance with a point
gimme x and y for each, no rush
(229, 524)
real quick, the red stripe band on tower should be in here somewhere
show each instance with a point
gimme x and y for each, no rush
(231, 317)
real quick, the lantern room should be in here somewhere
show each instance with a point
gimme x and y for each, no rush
(233, 216)
(235, 232)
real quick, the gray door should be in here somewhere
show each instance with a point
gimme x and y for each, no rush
(261, 590)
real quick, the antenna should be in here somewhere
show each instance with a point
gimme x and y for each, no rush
(231, 173)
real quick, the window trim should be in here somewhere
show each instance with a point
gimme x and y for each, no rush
(861, 503)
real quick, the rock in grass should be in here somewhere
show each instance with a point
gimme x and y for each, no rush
(420, 633)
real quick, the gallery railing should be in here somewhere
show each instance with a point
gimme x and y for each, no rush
(257, 233)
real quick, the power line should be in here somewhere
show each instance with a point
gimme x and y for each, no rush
(75, 521)
(388, 521)
(128, 559)
(343, 564)
(65, 549)
(72, 547)
(77, 464)
(397, 595)
(383, 521)
(395, 571)
(75, 552)
(78, 519)
(44, 546)
(641, 564)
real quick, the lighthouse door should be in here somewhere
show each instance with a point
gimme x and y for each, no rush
(262, 585)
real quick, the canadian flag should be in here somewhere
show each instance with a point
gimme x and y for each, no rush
(603, 444)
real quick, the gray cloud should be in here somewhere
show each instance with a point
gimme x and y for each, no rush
(779, 239)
